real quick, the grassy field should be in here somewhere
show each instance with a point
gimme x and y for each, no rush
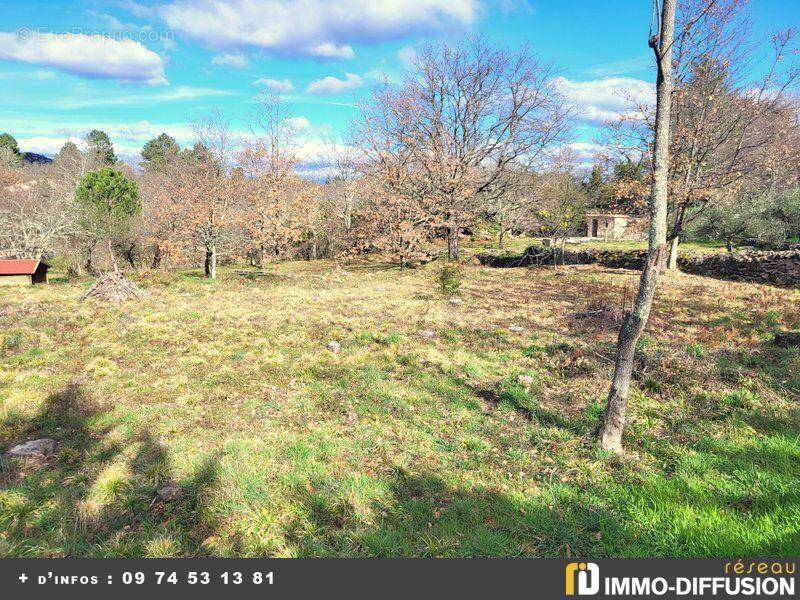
(398, 445)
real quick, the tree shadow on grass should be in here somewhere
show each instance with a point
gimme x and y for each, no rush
(97, 496)
(779, 368)
(422, 515)
(427, 517)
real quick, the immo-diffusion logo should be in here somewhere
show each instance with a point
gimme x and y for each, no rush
(764, 578)
(587, 576)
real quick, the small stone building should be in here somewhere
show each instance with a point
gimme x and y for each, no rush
(614, 226)
(25, 271)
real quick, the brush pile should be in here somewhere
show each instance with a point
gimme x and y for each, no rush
(113, 286)
(602, 315)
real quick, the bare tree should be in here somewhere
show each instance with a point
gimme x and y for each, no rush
(392, 218)
(661, 42)
(462, 119)
(276, 201)
(511, 207)
(559, 201)
(729, 129)
(35, 216)
(208, 189)
(343, 193)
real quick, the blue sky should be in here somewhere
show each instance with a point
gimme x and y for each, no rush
(161, 63)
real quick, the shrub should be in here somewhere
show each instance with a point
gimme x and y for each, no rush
(450, 277)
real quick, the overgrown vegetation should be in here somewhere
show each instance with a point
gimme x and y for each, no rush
(398, 445)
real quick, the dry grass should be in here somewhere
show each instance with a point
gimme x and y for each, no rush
(398, 445)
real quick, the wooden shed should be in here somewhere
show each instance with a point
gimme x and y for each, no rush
(24, 271)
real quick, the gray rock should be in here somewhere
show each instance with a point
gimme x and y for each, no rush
(456, 301)
(334, 347)
(516, 329)
(34, 449)
(170, 492)
(426, 334)
(525, 380)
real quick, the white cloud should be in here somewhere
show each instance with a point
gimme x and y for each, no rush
(603, 99)
(172, 94)
(92, 56)
(278, 86)
(235, 61)
(330, 86)
(111, 23)
(321, 28)
(46, 145)
(136, 9)
(585, 152)
(48, 137)
(300, 125)
(622, 67)
(407, 55)
(328, 50)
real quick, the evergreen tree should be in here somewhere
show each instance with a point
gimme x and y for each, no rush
(159, 151)
(100, 147)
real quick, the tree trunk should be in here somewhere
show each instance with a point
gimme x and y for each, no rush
(728, 245)
(87, 261)
(112, 257)
(156, 257)
(263, 258)
(501, 238)
(672, 263)
(452, 239)
(634, 324)
(211, 261)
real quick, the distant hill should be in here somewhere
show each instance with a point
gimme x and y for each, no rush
(33, 158)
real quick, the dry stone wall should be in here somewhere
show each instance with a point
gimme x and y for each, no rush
(775, 268)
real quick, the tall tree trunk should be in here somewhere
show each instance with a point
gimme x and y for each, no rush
(211, 261)
(452, 239)
(501, 238)
(672, 263)
(634, 324)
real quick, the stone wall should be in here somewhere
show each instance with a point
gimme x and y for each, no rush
(776, 268)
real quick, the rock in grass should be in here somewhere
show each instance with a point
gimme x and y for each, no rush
(426, 334)
(34, 449)
(170, 492)
(787, 339)
(456, 301)
(525, 380)
(516, 329)
(334, 347)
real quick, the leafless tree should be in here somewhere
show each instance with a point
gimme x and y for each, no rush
(464, 117)
(661, 41)
(209, 189)
(276, 205)
(35, 216)
(729, 128)
(343, 193)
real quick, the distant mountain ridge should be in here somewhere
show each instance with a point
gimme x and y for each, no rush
(33, 158)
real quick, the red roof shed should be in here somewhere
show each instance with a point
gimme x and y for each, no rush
(24, 271)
